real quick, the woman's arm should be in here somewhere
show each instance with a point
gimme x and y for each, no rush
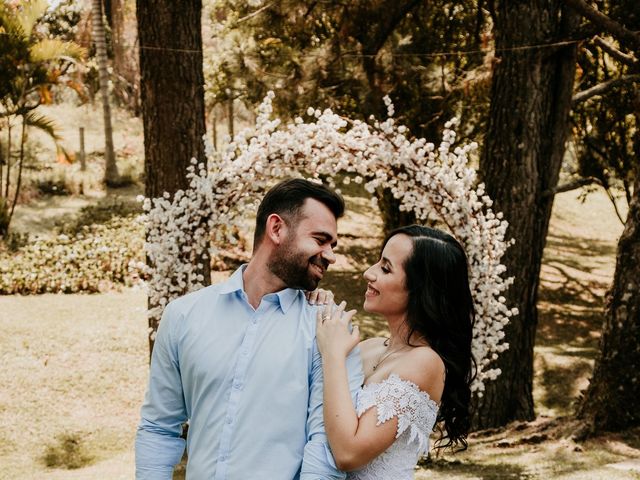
(356, 441)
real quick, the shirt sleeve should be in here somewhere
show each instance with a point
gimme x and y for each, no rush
(318, 462)
(159, 446)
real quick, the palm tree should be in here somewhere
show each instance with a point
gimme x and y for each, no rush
(97, 21)
(30, 67)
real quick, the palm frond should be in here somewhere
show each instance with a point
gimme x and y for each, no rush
(9, 23)
(53, 49)
(44, 123)
(30, 13)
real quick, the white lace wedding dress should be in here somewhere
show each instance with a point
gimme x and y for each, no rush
(416, 412)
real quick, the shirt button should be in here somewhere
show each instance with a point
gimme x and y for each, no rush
(236, 385)
(245, 352)
(229, 419)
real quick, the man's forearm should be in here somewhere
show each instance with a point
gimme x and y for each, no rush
(157, 454)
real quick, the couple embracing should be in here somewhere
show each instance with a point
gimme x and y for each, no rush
(275, 385)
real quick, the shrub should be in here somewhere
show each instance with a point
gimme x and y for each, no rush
(101, 211)
(96, 258)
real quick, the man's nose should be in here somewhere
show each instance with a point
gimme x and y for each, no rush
(328, 255)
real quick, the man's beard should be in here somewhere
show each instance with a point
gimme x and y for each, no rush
(293, 267)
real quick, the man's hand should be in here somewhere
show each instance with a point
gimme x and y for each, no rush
(319, 296)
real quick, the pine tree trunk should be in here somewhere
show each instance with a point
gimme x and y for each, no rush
(111, 176)
(524, 145)
(120, 61)
(392, 216)
(125, 65)
(612, 401)
(172, 95)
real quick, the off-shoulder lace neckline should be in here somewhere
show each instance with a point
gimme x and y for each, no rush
(394, 377)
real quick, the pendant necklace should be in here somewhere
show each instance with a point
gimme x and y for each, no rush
(386, 355)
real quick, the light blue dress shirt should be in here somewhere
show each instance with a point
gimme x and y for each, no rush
(249, 382)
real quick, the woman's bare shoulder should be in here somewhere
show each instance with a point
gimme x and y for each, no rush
(424, 367)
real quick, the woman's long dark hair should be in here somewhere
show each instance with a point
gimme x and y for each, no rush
(440, 310)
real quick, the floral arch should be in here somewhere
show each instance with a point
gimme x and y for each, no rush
(426, 179)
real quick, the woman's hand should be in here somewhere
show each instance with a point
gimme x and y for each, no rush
(319, 296)
(332, 331)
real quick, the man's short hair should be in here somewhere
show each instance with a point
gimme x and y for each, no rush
(287, 198)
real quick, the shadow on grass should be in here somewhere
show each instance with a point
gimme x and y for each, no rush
(562, 323)
(571, 302)
(569, 250)
(361, 255)
(491, 471)
(103, 210)
(67, 451)
(561, 383)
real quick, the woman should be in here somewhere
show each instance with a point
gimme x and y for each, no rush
(418, 376)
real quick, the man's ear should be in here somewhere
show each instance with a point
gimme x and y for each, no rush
(276, 229)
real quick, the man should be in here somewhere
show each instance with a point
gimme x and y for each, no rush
(239, 359)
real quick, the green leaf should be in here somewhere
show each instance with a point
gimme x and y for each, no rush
(30, 13)
(10, 25)
(42, 122)
(53, 49)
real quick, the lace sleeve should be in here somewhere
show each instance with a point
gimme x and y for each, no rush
(395, 397)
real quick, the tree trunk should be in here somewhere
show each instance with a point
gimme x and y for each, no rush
(524, 145)
(392, 216)
(612, 401)
(125, 66)
(111, 176)
(230, 128)
(116, 22)
(172, 96)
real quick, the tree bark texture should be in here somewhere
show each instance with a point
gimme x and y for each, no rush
(612, 401)
(172, 95)
(530, 103)
(111, 170)
(392, 216)
(172, 90)
(125, 65)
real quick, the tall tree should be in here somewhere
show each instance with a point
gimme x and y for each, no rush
(111, 176)
(119, 14)
(348, 56)
(524, 145)
(612, 401)
(172, 95)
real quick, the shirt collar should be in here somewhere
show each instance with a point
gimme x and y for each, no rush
(235, 283)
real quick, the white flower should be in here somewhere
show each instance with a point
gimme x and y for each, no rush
(428, 180)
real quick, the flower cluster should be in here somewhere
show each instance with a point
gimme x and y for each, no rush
(428, 180)
(95, 259)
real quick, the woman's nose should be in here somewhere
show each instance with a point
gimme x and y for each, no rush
(368, 275)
